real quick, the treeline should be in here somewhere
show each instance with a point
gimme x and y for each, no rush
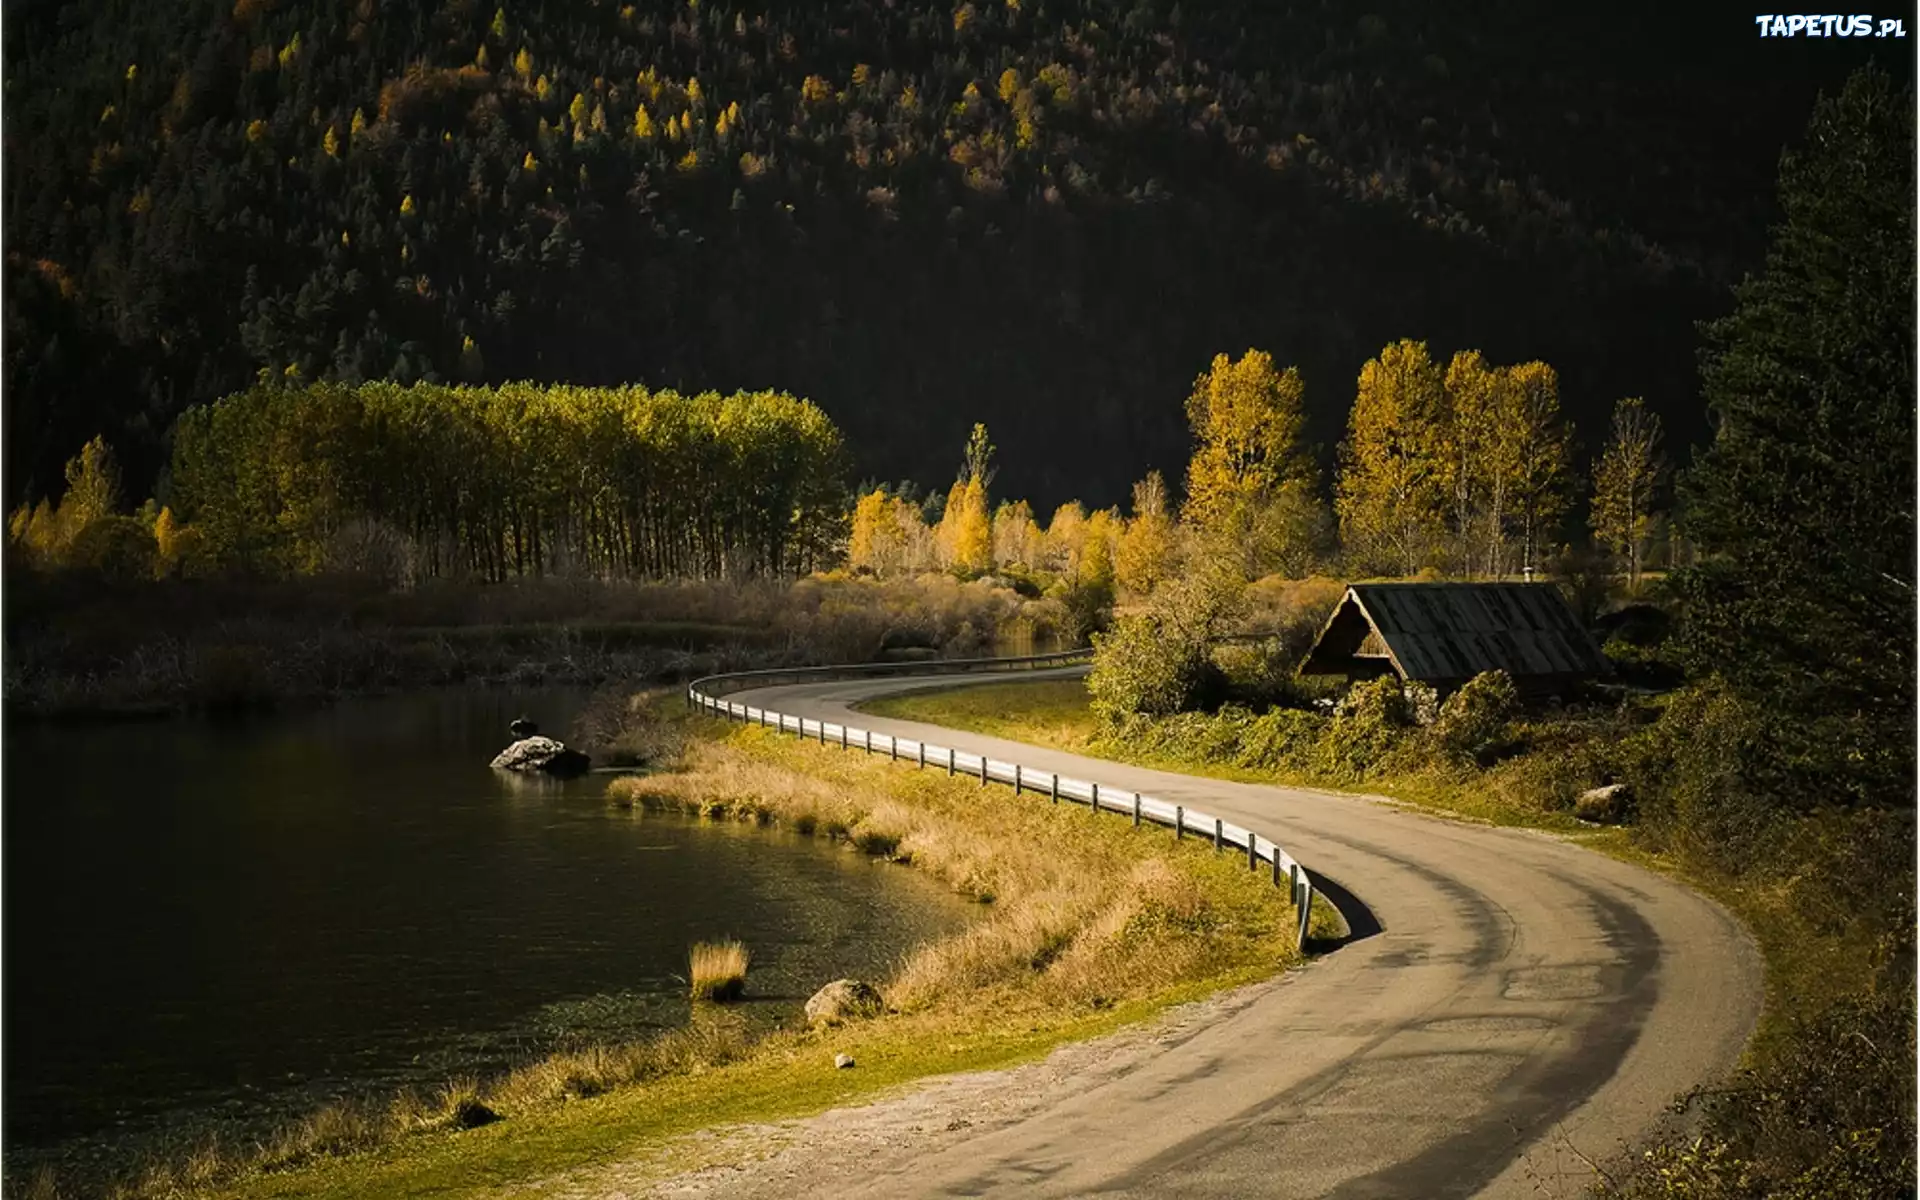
(1057, 207)
(428, 481)
(1466, 469)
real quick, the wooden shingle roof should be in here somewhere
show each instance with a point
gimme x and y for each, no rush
(1451, 632)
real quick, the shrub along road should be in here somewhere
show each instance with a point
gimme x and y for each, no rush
(1512, 1014)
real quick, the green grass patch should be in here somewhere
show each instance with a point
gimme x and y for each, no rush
(1041, 712)
(1055, 713)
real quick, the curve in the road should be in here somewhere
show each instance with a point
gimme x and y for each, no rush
(1520, 1017)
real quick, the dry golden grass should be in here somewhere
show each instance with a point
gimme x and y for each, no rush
(1085, 911)
(718, 970)
(710, 1040)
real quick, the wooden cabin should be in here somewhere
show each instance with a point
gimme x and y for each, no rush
(1443, 634)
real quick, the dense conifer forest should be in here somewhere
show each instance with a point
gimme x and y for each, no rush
(1042, 214)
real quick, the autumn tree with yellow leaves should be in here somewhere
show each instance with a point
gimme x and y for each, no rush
(1017, 539)
(1097, 550)
(874, 541)
(965, 535)
(1472, 447)
(1251, 482)
(1624, 483)
(1466, 467)
(1392, 495)
(1145, 554)
(1538, 456)
(1064, 539)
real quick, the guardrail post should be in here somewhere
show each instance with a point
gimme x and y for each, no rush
(893, 748)
(1253, 860)
(983, 770)
(1136, 810)
(949, 764)
(1053, 788)
(1179, 821)
(1293, 882)
(1306, 912)
(868, 735)
(920, 750)
(843, 735)
(1219, 827)
(1016, 779)
(1094, 806)
(1276, 866)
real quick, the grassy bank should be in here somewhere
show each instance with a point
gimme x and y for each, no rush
(1086, 924)
(1523, 790)
(1819, 1109)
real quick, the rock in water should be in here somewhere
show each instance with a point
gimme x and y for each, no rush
(542, 754)
(843, 1000)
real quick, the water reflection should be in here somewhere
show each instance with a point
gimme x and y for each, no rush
(242, 917)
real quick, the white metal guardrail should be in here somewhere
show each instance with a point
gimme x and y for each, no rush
(707, 695)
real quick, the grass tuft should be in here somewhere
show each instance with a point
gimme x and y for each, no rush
(719, 971)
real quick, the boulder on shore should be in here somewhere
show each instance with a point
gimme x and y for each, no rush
(542, 754)
(1607, 805)
(843, 1000)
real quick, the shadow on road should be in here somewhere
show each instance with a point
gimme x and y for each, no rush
(1358, 918)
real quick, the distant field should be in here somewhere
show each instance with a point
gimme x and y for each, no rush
(1050, 712)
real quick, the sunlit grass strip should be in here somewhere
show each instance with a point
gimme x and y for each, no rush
(1094, 909)
(719, 971)
(1055, 713)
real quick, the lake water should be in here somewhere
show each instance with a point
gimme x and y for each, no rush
(229, 921)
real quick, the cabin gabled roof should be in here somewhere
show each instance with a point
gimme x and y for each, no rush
(1454, 631)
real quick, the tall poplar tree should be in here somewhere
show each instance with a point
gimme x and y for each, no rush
(1146, 548)
(1251, 481)
(967, 525)
(1392, 494)
(874, 543)
(1016, 539)
(1477, 395)
(1624, 481)
(1536, 458)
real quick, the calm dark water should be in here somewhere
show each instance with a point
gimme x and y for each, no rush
(220, 922)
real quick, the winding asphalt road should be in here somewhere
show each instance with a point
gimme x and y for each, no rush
(1511, 1013)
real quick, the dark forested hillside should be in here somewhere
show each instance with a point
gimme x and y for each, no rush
(1043, 214)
